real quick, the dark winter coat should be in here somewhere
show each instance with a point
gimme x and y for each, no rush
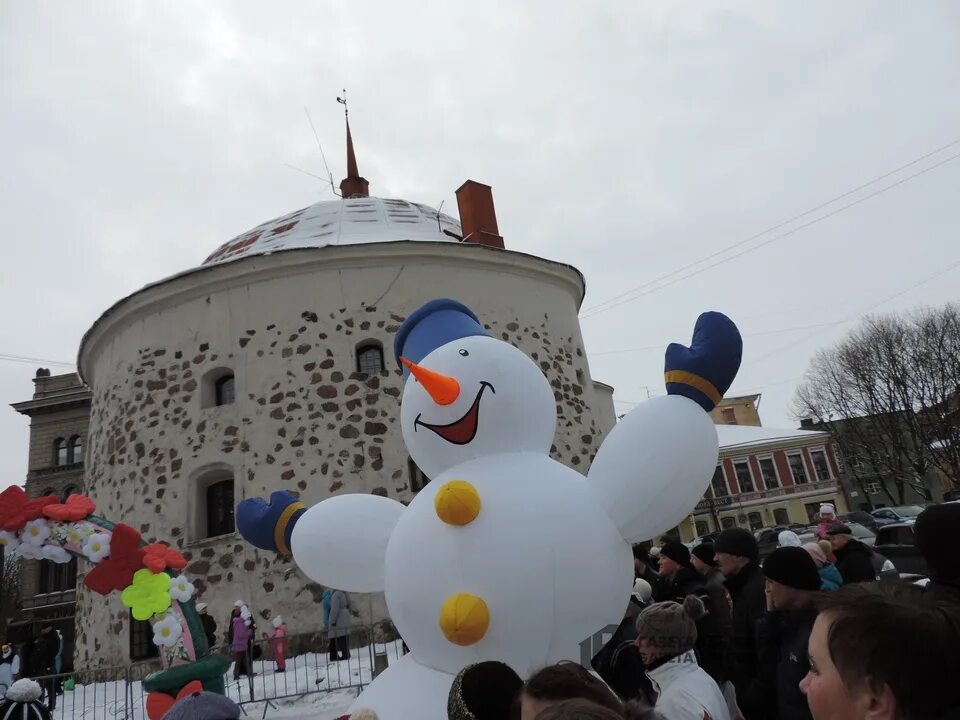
(748, 591)
(855, 563)
(210, 629)
(620, 665)
(714, 637)
(44, 653)
(782, 638)
(939, 590)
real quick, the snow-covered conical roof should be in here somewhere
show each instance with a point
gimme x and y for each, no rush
(350, 221)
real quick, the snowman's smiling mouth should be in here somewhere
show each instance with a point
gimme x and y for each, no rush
(462, 431)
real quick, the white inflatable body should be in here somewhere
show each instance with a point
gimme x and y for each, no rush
(548, 553)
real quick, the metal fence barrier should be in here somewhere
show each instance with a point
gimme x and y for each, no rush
(272, 682)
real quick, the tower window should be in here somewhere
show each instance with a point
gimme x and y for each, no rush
(76, 449)
(61, 452)
(220, 508)
(225, 390)
(370, 358)
(141, 640)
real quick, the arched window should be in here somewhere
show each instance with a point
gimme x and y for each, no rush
(219, 498)
(418, 480)
(68, 491)
(76, 449)
(756, 520)
(370, 358)
(61, 452)
(141, 640)
(224, 390)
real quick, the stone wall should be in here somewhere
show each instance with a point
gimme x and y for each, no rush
(304, 419)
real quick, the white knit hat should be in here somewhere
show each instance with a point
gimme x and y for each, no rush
(277, 621)
(828, 509)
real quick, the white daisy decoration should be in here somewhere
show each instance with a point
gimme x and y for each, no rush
(35, 532)
(167, 631)
(181, 589)
(97, 547)
(75, 534)
(29, 551)
(9, 540)
(55, 553)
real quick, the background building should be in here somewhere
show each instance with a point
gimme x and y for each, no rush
(740, 410)
(767, 477)
(59, 414)
(270, 366)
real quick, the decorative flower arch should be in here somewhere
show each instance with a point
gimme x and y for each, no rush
(147, 576)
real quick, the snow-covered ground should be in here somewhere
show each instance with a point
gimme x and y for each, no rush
(312, 687)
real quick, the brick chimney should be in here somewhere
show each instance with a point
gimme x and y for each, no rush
(478, 219)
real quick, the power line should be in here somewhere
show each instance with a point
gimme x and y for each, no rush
(24, 359)
(629, 296)
(863, 312)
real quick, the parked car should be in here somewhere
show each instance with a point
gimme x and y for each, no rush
(897, 543)
(862, 517)
(864, 535)
(898, 514)
(768, 538)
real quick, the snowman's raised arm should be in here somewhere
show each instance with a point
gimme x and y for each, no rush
(656, 463)
(340, 542)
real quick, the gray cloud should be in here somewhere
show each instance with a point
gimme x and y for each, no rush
(625, 138)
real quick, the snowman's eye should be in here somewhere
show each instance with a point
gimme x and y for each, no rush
(464, 353)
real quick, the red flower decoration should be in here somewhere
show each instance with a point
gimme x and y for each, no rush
(16, 510)
(158, 557)
(116, 572)
(77, 507)
(159, 703)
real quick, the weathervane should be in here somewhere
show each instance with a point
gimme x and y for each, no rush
(343, 101)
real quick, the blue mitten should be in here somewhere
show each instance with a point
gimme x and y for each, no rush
(269, 525)
(704, 371)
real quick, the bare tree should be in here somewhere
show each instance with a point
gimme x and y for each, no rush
(889, 393)
(9, 588)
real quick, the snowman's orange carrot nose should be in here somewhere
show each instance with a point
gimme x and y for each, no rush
(442, 388)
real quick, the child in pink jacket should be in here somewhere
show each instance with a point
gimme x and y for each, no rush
(279, 642)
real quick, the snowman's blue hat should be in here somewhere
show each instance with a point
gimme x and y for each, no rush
(704, 371)
(432, 325)
(269, 525)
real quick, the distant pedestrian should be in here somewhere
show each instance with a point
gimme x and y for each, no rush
(278, 641)
(788, 538)
(338, 629)
(666, 636)
(830, 578)
(793, 586)
(42, 663)
(209, 625)
(240, 636)
(854, 559)
(935, 533)
(9, 667)
(737, 556)
(828, 519)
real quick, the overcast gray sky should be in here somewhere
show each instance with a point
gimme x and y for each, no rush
(628, 139)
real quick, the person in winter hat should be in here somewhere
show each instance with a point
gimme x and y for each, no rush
(788, 538)
(666, 637)
(854, 559)
(828, 518)
(9, 667)
(240, 635)
(483, 691)
(278, 641)
(680, 580)
(204, 706)
(935, 532)
(209, 625)
(737, 554)
(792, 587)
(884, 652)
(338, 629)
(22, 702)
(830, 578)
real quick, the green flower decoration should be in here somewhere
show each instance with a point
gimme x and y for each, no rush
(149, 594)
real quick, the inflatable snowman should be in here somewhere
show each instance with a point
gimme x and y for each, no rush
(506, 554)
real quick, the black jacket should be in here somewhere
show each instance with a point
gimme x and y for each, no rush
(43, 654)
(782, 638)
(747, 590)
(714, 636)
(855, 563)
(620, 666)
(210, 630)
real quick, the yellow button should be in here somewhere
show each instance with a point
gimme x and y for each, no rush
(457, 502)
(464, 619)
